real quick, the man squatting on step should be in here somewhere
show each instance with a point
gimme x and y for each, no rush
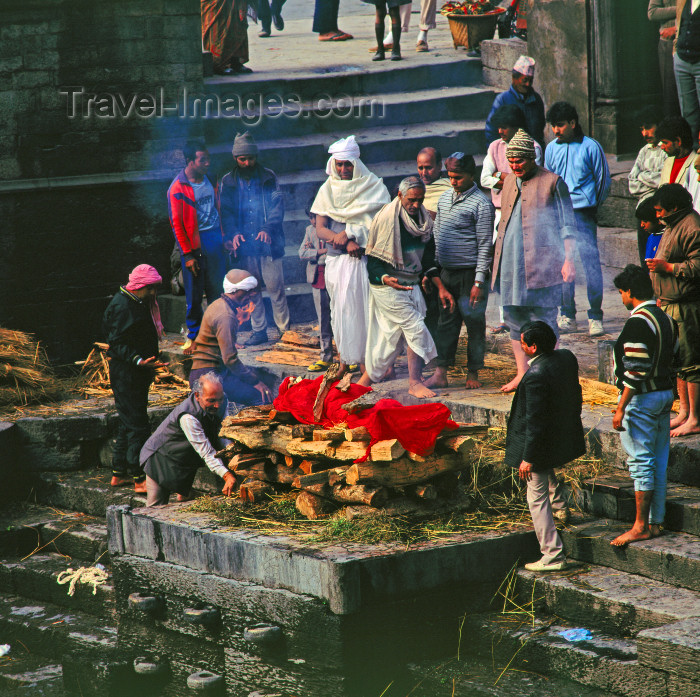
(644, 352)
(188, 437)
(131, 325)
(544, 432)
(399, 250)
(344, 207)
(215, 348)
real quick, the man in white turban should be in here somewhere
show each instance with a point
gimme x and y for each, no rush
(215, 345)
(345, 205)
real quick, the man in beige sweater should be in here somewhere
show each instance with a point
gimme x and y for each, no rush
(215, 346)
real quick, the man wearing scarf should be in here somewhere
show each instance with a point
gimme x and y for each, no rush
(215, 348)
(131, 326)
(535, 245)
(345, 205)
(399, 250)
(225, 33)
(675, 276)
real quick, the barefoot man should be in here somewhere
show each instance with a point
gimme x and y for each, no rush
(675, 276)
(644, 352)
(398, 251)
(463, 233)
(535, 245)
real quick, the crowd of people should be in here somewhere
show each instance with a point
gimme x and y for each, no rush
(225, 27)
(398, 273)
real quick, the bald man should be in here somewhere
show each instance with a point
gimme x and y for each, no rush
(215, 346)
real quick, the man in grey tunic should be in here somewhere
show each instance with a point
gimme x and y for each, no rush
(535, 246)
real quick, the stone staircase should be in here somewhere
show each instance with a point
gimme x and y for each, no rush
(393, 112)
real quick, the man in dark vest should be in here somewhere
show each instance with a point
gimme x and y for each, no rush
(188, 437)
(544, 432)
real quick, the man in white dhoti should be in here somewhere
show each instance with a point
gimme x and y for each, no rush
(345, 205)
(400, 249)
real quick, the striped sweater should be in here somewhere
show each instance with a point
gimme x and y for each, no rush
(645, 350)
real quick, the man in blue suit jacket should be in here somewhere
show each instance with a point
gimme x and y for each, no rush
(544, 432)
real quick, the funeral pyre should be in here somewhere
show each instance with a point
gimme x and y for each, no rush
(339, 444)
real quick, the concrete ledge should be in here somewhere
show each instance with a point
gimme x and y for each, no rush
(348, 577)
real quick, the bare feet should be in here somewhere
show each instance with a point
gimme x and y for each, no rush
(183, 497)
(655, 530)
(390, 374)
(633, 535)
(418, 389)
(687, 428)
(512, 385)
(680, 419)
(473, 382)
(437, 379)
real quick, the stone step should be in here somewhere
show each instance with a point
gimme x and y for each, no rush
(26, 528)
(676, 647)
(617, 246)
(25, 674)
(36, 577)
(49, 630)
(299, 299)
(672, 558)
(413, 106)
(351, 80)
(533, 644)
(86, 492)
(612, 496)
(380, 143)
(615, 602)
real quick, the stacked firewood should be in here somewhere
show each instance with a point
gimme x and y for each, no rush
(271, 452)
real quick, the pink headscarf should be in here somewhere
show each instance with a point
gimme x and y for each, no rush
(146, 275)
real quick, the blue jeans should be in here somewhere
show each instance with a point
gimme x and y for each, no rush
(647, 439)
(688, 83)
(587, 245)
(210, 279)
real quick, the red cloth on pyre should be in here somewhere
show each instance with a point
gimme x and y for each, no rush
(415, 427)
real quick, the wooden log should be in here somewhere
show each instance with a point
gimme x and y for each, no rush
(344, 383)
(403, 471)
(426, 491)
(333, 373)
(322, 477)
(296, 430)
(462, 445)
(311, 506)
(268, 472)
(281, 355)
(297, 339)
(337, 475)
(475, 430)
(357, 434)
(311, 466)
(289, 461)
(368, 495)
(274, 458)
(332, 434)
(387, 450)
(281, 416)
(365, 401)
(409, 508)
(230, 450)
(255, 491)
(246, 460)
(310, 448)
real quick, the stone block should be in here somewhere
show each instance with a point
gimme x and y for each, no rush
(673, 648)
(606, 361)
(115, 530)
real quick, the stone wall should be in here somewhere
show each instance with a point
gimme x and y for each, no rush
(498, 57)
(89, 145)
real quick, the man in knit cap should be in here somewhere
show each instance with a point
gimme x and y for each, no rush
(252, 211)
(523, 96)
(215, 348)
(344, 207)
(463, 234)
(131, 325)
(535, 246)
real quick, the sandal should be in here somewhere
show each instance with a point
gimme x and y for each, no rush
(318, 366)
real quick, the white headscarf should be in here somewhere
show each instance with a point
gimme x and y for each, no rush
(248, 283)
(356, 201)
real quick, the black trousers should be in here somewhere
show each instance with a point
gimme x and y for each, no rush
(326, 16)
(459, 282)
(265, 10)
(130, 386)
